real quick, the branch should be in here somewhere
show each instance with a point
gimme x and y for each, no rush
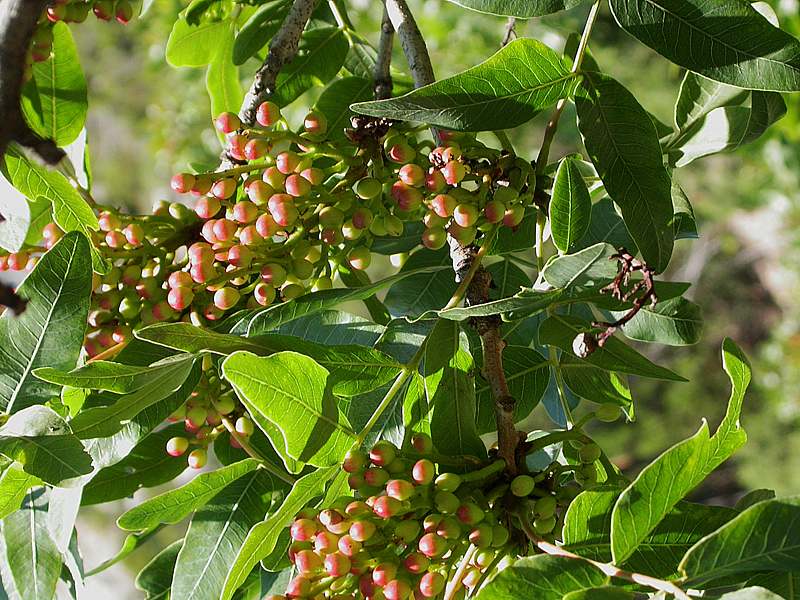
(383, 62)
(18, 20)
(412, 42)
(282, 50)
(509, 32)
(607, 568)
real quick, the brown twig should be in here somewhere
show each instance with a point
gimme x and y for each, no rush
(617, 288)
(607, 568)
(282, 50)
(509, 31)
(10, 299)
(383, 62)
(18, 20)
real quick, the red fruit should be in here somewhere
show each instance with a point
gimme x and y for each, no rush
(259, 192)
(227, 122)
(226, 298)
(249, 236)
(432, 584)
(406, 197)
(357, 508)
(325, 542)
(463, 235)
(362, 218)
(422, 443)
(124, 12)
(115, 239)
(481, 536)
(266, 225)
(284, 212)
(348, 546)
(494, 211)
(297, 185)
(313, 175)
(470, 513)
(453, 172)
(376, 477)
(330, 517)
(434, 181)
(383, 573)
(264, 294)
(236, 144)
(287, 162)
(240, 256)
(56, 13)
(387, 507)
(434, 238)
(307, 562)
(224, 188)
(360, 258)
(180, 298)
(200, 252)
(273, 177)
(268, 113)
(417, 563)
(273, 274)
(401, 153)
(337, 564)
(382, 453)
(361, 531)
(514, 215)
(197, 458)
(432, 545)
(207, 207)
(176, 446)
(245, 212)
(354, 460)
(465, 215)
(255, 149)
(396, 590)
(134, 234)
(182, 182)
(400, 489)
(108, 222)
(224, 229)
(412, 175)
(423, 471)
(202, 185)
(449, 528)
(315, 122)
(299, 587)
(444, 205)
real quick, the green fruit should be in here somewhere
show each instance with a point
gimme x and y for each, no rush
(544, 526)
(448, 482)
(446, 502)
(589, 453)
(608, 413)
(545, 507)
(522, 486)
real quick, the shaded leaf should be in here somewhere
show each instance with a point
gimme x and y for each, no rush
(674, 322)
(570, 206)
(424, 290)
(335, 101)
(155, 579)
(14, 486)
(259, 29)
(524, 9)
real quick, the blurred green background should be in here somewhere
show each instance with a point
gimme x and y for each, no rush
(148, 120)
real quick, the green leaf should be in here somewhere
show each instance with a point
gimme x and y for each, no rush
(335, 101)
(111, 376)
(273, 317)
(195, 45)
(147, 466)
(523, 9)
(30, 561)
(505, 91)
(606, 592)
(259, 29)
(218, 530)
(70, 211)
(222, 78)
(699, 95)
(595, 384)
(353, 369)
(727, 128)
(42, 442)
(334, 326)
(607, 226)
(765, 537)
(263, 537)
(751, 593)
(289, 383)
(570, 206)
(587, 527)
(591, 267)
(132, 542)
(543, 577)
(155, 579)
(727, 40)
(674, 322)
(17, 217)
(14, 486)
(680, 469)
(450, 391)
(685, 224)
(786, 585)
(50, 331)
(623, 145)
(527, 373)
(105, 421)
(415, 295)
(55, 101)
(560, 330)
(321, 55)
(175, 505)
(753, 497)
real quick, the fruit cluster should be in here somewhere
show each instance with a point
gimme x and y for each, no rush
(414, 528)
(74, 11)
